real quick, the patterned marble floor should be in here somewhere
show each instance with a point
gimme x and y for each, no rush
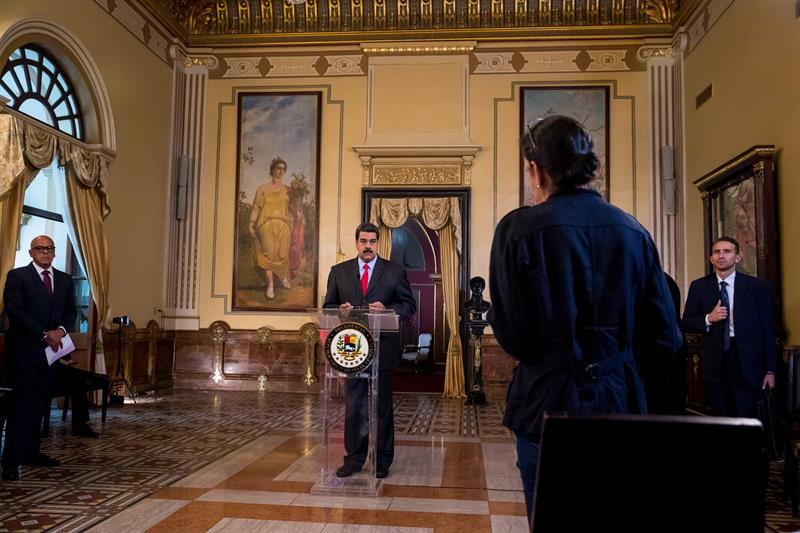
(195, 461)
(246, 461)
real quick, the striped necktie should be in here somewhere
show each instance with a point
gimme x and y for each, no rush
(726, 324)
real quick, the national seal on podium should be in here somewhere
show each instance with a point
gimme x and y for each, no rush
(349, 348)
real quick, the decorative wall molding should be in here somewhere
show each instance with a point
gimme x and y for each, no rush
(703, 19)
(290, 65)
(242, 67)
(494, 63)
(345, 65)
(607, 60)
(485, 61)
(404, 166)
(650, 52)
(141, 24)
(435, 48)
(394, 175)
(550, 61)
(203, 61)
(481, 62)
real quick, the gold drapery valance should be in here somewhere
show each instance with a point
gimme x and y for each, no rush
(26, 145)
(26, 148)
(444, 216)
(435, 213)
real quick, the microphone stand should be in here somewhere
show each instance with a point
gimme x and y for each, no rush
(119, 372)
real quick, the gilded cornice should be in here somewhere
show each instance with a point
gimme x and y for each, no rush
(396, 49)
(660, 11)
(243, 22)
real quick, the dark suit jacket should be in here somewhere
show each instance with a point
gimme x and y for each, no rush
(753, 321)
(388, 285)
(30, 312)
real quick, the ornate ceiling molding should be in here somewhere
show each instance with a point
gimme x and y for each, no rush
(242, 22)
(399, 49)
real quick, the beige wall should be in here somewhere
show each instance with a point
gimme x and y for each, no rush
(493, 106)
(750, 56)
(139, 89)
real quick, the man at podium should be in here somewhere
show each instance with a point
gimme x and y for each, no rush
(370, 282)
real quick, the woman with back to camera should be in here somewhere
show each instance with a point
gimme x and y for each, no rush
(578, 294)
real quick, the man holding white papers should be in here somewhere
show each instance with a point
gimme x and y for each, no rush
(39, 304)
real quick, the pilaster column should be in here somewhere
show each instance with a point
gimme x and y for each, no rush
(664, 69)
(190, 80)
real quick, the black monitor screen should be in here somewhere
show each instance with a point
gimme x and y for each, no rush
(650, 473)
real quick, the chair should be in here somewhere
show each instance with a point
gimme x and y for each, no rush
(91, 382)
(416, 353)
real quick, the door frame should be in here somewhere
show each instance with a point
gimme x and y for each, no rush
(463, 196)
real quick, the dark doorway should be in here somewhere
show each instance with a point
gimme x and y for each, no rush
(416, 247)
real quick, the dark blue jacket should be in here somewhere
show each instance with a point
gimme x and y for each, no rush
(753, 322)
(578, 296)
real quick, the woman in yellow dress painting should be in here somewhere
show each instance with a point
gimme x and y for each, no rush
(270, 227)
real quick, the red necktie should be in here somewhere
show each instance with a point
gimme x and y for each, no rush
(48, 283)
(365, 280)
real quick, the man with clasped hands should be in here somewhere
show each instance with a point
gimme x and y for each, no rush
(39, 303)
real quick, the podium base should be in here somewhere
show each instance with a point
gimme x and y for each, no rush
(361, 484)
(476, 398)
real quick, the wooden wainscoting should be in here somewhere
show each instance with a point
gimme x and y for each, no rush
(147, 357)
(695, 386)
(498, 366)
(218, 357)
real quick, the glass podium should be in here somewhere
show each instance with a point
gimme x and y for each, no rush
(345, 337)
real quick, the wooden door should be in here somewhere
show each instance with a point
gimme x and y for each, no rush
(417, 249)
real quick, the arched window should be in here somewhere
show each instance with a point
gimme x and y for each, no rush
(36, 85)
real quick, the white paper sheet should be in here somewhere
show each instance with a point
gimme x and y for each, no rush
(67, 347)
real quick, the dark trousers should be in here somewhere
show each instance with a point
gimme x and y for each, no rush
(732, 395)
(72, 381)
(356, 421)
(29, 400)
(527, 462)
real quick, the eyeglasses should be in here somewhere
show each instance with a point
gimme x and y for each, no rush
(528, 130)
(43, 249)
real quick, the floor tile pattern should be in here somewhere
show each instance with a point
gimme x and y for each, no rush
(245, 461)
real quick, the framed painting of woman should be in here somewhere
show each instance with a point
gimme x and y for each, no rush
(586, 104)
(277, 211)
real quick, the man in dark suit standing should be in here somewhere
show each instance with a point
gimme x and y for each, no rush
(39, 304)
(370, 282)
(734, 312)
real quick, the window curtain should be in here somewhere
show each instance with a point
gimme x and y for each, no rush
(444, 216)
(15, 175)
(25, 149)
